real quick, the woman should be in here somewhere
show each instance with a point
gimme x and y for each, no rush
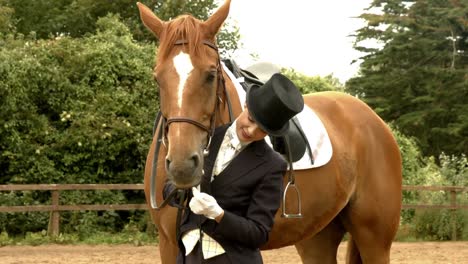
(232, 214)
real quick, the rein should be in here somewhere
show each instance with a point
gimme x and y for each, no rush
(165, 122)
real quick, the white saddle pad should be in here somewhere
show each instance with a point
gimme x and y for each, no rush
(319, 141)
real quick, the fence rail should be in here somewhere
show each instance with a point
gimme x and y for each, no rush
(453, 197)
(454, 206)
(55, 207)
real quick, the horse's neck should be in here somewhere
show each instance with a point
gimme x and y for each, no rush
(235, 103)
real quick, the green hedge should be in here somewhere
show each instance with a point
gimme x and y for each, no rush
(74, 111)
(432, 224)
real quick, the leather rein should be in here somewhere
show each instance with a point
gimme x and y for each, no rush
(166, 121)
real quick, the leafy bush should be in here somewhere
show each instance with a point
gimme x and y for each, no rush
(15, 223)
(310, 84)
(74, 111)
(415, 170)
(432, 224)
(437, 224)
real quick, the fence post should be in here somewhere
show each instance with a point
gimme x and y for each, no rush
(54, 221)
(453, 213)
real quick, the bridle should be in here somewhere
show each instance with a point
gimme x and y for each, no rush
(166, 121)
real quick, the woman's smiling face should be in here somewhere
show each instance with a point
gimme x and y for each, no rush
(246, 128)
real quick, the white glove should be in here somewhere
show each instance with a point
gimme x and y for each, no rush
(204, 204)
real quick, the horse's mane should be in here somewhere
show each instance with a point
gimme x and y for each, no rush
(183, 28)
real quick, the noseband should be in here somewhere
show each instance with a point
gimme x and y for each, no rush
(181, 119)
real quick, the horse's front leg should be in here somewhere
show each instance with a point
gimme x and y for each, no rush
(167, 250)
(166, 223)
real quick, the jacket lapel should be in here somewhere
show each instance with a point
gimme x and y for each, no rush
(248, 159)
(211, 158)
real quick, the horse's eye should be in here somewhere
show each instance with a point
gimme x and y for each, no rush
(211, 76)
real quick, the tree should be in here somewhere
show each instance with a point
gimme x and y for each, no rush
(311, 84)
(6, 24)
(417, 77)
(76, 18)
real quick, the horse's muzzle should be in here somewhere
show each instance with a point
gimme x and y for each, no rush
(185, 173)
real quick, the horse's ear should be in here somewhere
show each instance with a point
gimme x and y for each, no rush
(150, 20)
(214, 23)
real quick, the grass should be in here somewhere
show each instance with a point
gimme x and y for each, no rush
(97, 238)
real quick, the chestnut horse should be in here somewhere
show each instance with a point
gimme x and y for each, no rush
(357, 192)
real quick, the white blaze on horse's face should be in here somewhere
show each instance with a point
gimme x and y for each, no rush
(183, 66)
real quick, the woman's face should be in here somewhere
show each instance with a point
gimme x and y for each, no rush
(246, 128)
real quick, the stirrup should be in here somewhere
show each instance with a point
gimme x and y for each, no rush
(291, 183)
(298, 195)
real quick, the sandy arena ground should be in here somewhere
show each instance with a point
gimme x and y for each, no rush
(426, 252)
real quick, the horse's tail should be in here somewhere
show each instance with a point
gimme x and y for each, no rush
(352, 254)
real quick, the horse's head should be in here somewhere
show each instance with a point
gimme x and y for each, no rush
(189, 75)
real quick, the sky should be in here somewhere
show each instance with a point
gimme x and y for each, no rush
(310, 36)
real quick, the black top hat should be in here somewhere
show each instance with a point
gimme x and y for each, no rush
(274, 103)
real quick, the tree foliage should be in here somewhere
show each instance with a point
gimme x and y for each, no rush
(417, 77)
(438, 224)
(311, 84)
(6, 23)
(74, 110)
(77, 103)
(423, 171)
(77, 18)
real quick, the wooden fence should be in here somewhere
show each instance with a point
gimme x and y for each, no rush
(453, 206)
(55, 207)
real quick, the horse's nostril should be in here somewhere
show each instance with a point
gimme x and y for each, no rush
(168, 163)
(196, 160)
